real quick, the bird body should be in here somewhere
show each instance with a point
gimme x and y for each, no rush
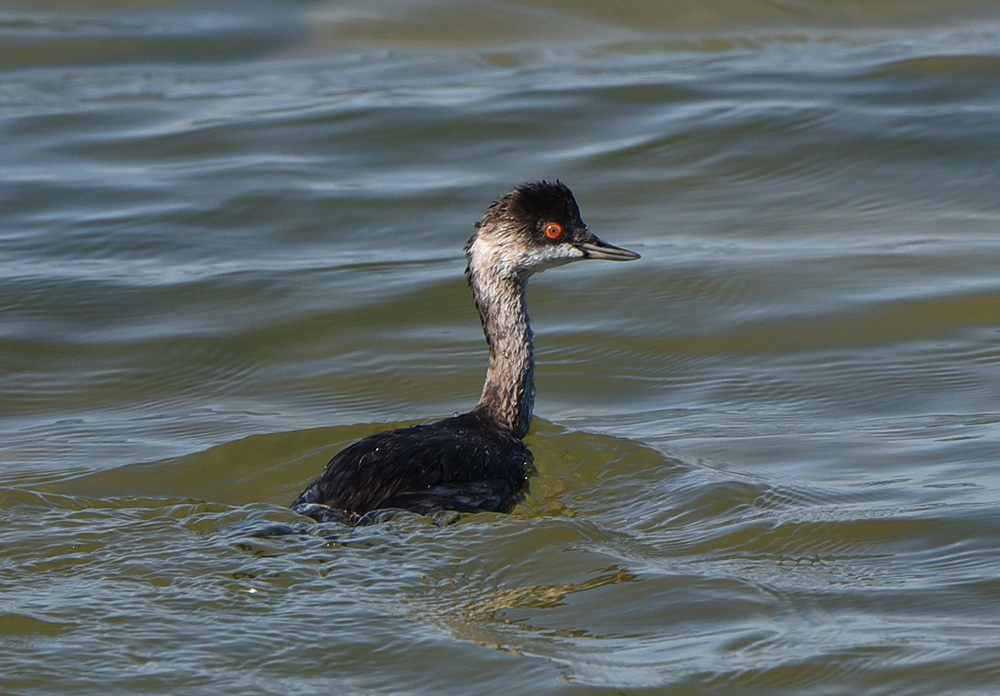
(473, 462)
(460, 463)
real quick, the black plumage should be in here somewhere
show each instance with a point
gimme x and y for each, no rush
(462, 463)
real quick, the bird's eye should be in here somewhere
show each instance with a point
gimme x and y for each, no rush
(553, 230)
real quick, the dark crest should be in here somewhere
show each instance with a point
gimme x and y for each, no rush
(540, 202)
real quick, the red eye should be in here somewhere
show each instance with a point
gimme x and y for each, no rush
(553, 230)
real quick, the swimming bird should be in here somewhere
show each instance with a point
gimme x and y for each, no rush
(476, 461)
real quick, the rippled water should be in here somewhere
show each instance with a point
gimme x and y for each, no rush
(230, 244)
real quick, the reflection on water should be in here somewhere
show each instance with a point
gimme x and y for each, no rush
(231, 243)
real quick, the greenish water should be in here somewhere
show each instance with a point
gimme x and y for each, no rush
(231, 243)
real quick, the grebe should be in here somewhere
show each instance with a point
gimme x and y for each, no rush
(476, 461)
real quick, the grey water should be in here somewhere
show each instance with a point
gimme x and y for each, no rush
(231, 243)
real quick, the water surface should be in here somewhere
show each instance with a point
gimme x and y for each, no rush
(231, 243)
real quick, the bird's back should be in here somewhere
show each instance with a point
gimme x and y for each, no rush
(464, 463)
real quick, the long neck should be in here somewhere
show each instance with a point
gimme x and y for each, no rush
(509, 392)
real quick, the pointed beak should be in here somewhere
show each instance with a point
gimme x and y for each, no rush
(595, 248)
